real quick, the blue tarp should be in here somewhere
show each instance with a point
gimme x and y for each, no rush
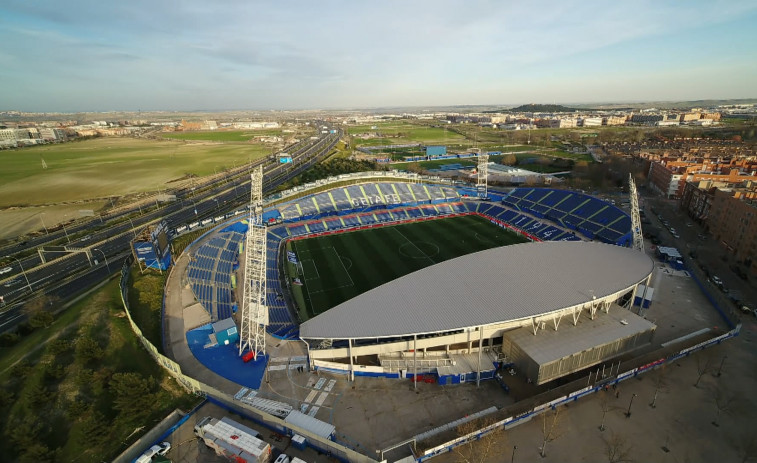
(239, 227)
(225, 360)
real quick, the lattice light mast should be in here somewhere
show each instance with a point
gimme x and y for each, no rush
(638, 238)
(483, 174)
(254, 311)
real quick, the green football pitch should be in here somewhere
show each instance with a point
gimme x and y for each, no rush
(335, 268)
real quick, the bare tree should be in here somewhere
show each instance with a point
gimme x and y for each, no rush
(550, 429)
(478, 450)
(747, 446)
(617, 448)
(703, 366)
(604, 404)
(723, 401)
(660, 384)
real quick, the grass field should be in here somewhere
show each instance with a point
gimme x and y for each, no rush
(336, 268)
(109, 166)
(226, 135)
(399, 132)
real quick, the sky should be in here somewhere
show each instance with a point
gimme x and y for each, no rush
(249, 55)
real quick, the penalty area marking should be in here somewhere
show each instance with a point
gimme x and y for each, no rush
(347, 260)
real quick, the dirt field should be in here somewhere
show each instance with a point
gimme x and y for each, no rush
(24, 220)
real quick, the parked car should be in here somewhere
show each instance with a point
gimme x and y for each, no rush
(717, 281)
(158, 449)
(5, 270)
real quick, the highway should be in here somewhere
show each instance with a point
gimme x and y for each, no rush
(111, 237)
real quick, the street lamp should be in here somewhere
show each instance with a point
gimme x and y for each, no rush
(65, 232)
(43, 223)
(104, 257)
(628, 413)
(132, 227)
(24, 272)
(512, 457)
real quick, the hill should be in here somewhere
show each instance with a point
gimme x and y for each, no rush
(541, 108)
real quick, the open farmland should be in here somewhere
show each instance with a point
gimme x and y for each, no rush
(231, 136)
(399, 132)
(105, 167)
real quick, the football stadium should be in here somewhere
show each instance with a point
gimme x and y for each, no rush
(382, 275)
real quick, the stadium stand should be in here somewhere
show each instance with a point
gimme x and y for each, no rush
(590, 216)
(210, 271)
(354, 198)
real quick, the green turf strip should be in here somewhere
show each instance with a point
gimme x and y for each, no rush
(336, 268)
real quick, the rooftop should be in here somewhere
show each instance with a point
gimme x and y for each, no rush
(488, 287)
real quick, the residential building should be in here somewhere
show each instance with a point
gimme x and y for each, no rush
(592, 121)
(688, 117)
(733, 223)
(615, 120)
(8, 138)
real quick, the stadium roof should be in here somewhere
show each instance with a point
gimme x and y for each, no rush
(486, 287)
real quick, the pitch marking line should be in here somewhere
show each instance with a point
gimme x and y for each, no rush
(414, 245)
(312, 265)
(352, 283)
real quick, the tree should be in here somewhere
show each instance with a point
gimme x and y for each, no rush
(133, 394)
(478, 451)
(509, 159)
(746, 444)
(40, 311)
(95, 429)
(24, 433)
(660, 384)
(604, 404)
(617, 448)
(87, 349)
(723, 401)
(703, 366)
(550, 429)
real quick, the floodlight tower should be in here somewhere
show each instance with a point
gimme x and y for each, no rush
(483, 175)
(638, 238)
(254, 311)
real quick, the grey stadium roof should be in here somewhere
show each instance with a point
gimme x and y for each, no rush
(483, 288)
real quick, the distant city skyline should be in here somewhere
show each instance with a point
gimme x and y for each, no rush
(235, 55)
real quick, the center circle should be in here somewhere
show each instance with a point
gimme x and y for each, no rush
(419, 249)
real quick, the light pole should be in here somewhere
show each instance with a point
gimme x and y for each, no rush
(132, 227)
(628, 413)
(43, 223)
(104, 257)
(24, 272)
(66, 233)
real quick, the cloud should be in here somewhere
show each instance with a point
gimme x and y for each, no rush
(349, 53)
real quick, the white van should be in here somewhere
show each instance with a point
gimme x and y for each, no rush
(159, 449)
